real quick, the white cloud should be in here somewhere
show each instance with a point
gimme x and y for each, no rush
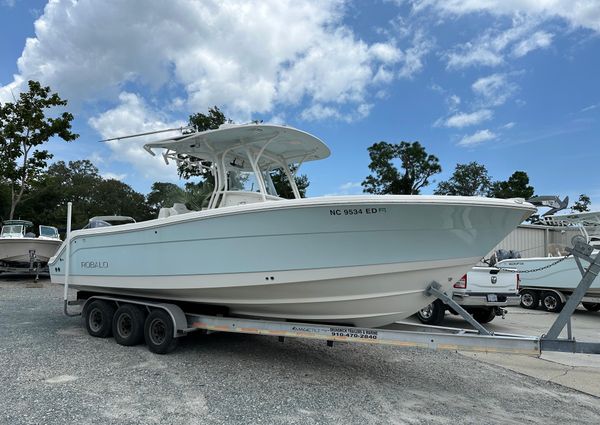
(539, 39)
(108, 175)
(462, 119)
(318, 112)
(247, 57)
(350, 185)
(453, 102)
(349, 188)
(494, 90)
(590, 107)
(508, 125)
(580, 13)
(133, 116)
(412, 59)
(477, 138)
(490, 48)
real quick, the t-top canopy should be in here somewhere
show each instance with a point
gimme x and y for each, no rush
(273, 145)
(24, 223)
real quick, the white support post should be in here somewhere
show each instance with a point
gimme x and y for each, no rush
(68, 261)
(68, 249)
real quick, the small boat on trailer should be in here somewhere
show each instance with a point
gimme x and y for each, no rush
(352, 260)
(21, 250)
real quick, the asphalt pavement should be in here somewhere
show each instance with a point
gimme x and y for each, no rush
(52, 372)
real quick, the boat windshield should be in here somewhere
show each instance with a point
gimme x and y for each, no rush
(12, 231)
(246, 181)
(49, 232)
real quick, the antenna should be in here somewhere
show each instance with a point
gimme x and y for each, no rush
(182, 129)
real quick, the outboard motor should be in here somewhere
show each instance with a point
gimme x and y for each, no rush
(503, 254)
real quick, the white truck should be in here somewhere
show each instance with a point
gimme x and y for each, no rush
(483, 292)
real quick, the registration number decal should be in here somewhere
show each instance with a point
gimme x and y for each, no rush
(356, 211)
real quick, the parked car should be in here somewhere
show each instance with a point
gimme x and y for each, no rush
(483, 292)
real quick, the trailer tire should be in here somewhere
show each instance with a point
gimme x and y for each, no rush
(591, 306)
(98, 317)
(529, 299)
(551, 302)
(158, 332)
(433, 314)
(484, 315)
(128, 325)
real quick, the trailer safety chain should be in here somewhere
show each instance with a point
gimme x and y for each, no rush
(547, 266)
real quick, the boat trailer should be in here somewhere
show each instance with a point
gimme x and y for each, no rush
(34, 268)
(167, 322)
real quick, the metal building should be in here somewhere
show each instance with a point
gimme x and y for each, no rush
(533, 240)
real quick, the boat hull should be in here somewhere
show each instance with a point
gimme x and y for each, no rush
(19, 250)
(364, 261)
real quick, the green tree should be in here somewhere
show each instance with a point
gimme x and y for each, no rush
(202, 122)
(416, 164)
(23, 127)
(470, 179)
(79, 182)
(280, 181)
(517, 186)
(164, 195)
(582, 204)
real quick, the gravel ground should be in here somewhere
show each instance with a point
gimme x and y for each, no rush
(52, 372)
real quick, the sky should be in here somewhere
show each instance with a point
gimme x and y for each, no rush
(511, 84)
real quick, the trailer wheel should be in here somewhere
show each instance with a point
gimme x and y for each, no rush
(484, 315)
(592, 306)
(551, 302)
(529, 299)
(128, 325)
(433, 314)
(98, 318)
(158, 332)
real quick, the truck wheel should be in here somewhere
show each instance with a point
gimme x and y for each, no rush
(128, 325)
(158, 332)
(592, 306)
(98, 318)
(433, 314)
(551, 302)
(529, 299)
(484, 315)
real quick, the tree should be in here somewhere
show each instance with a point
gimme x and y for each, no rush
(80, 183)
(23, 127)
(470, 179)
(418, 167)
(582, 204)
(517, 186)
(202, 122)
(282, 186)
(164, 195)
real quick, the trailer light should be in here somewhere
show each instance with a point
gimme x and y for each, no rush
(462, 283)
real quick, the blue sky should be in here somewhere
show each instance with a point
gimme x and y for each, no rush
(511, 84)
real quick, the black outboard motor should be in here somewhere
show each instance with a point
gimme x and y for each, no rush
(503, 254)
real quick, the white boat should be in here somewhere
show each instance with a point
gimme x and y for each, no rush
(19, 248)
(360, 260)
(563, 276)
